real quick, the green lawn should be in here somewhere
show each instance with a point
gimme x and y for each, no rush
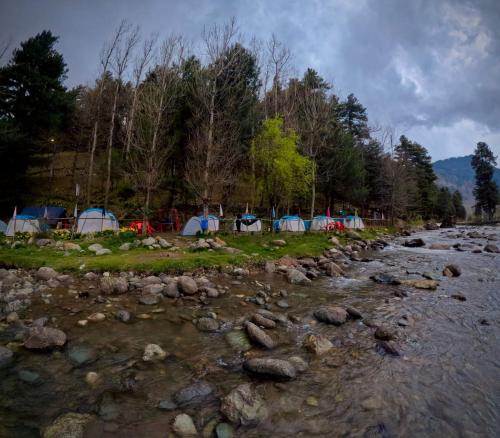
(256, 249)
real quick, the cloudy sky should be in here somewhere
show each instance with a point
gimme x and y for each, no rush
(429, 68)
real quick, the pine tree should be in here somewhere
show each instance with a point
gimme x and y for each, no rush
(486, 190)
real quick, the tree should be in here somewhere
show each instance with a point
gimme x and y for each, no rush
(283, 174)
(352, 115)
(34, 107)
(457, 200)
(486, 190)
(444, 204)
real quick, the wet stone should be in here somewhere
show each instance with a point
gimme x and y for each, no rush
(331, 315)
(259, 336)
(194, 394)
(385, 333)
(272, 368)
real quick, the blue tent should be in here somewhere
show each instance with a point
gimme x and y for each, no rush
(290, 223)
(200, 224)
(54, 214)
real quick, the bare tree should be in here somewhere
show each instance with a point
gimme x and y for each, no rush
(141, 63)
(156, 101)
(120, 62)
(4, 47)
(211, 158)
(279, 57)
(107, 53)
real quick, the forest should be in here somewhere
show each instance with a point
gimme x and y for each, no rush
(227, 122)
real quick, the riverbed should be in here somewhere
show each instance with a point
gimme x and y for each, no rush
(444, 380)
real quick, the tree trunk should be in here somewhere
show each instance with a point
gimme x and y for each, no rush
(208, 157)
(313, 189)
(131, 123)
(91, 160)
(110, 146)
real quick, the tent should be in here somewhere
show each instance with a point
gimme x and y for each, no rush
(54, 214)
(94, 220)
(194, 225)
(249, 223)
(320, 223)
(291, 223)
(23, 223)
(353, 222)
(3, 227)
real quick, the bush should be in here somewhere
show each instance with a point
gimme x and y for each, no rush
(105, 233)
(22, 235)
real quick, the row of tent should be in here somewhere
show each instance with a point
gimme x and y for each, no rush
(250, 223)
(89, 221)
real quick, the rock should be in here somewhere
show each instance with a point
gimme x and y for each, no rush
(194, 394)
(153, 289)
(282, 304)
(263, 321)
(312, 401)
(103, 251)
(82, 322)
(385, 279)
(331, 315)
(491, 248)
(224, 430)
(184, 426)
(298, 363)
(278, 242)
(153, 352)
(70, 246)
(113, 285)
(125, 246)
(389, 347)
(430, 275)
(96, 317)
(273, 368)
(45, 273)
(334, 241)
(452, 271)
(333, 270)
(276, 317)
(44, 338)
(70, 425)
(229, 250)
(163, 243)
(95, 247)
(122, 315)
(171, 290)
(243, 406)
(90, 276)
(211, 292)
(167, 405)
(6, 357)
(92, 378)
(270, 267)
(421, 284)
(44, 242)
(241, 272)
(317, 344)
(12, 317)
(354, 313)
(294, 276)
(459, 296)
(431, 226)
(187, 285)
(414, 243)
(148, 241)
(353, 235)
(80, 355)
(149, 299)
(238, 340)
(385, 333)
(207, 324)
(439, 246)
(259, 336)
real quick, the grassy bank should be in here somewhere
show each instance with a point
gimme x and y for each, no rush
(255, 249)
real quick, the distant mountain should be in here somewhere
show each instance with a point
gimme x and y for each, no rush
(457, 174)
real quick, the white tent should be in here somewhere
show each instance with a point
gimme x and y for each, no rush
(93, 220)
(23, 223)
(194, 225)
(249, 223)
(320, 223)
(3, 227)
(292, 223)
(354, 222)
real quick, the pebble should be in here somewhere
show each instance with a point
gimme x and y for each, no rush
(96, 317)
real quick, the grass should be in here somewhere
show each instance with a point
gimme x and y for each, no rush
(256, 249)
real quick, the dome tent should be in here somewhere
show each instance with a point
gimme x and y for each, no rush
(293, 224)
(50, 214)
(320, 223)
(194, 225)
(23, 223)
(249, 223)
(353, 222)
(94, 220)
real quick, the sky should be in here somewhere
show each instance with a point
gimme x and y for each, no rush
(428, 68)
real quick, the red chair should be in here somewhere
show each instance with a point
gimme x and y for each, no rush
(137, 227)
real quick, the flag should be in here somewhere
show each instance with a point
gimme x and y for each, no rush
(77, 190)
(356, 212)
(75, 213)
(328, 212)
(273, 213)
(15, 213)
(246, 210)
(221, 213)
(45, 214)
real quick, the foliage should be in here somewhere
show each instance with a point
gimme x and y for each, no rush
(486, 190)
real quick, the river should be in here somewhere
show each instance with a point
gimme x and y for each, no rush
(445, 382)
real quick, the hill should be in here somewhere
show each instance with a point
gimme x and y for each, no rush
(457, 174)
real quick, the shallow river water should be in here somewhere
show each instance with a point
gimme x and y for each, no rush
(446, 382)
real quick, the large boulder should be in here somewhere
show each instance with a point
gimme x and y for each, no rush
(148, 241)
(244, 406)
(333, 270)
(70, 425)
(421, 284)
(294, 276)
(187, 285)
(259, 336)
(207, 324)
(95, 247)
(45, 273)
(70, 246)
(331, 315)
(414, 243)
(113, 285)
(273, 368)
(452, 271)
(490, 247)
(183, 426)
(44, 338)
